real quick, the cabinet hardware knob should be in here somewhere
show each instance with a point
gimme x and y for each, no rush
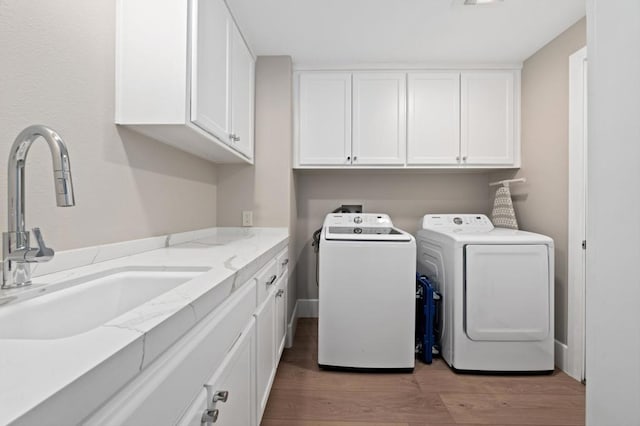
(285, 262)
(457, 158)
(232, 136)
(348, 158)
(464, 158)
(355, 158)
(280, 293)
(221, 396)
(236, 138)
(272, 279)
(209, 416)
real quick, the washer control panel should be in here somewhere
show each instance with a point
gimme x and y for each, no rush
(457, 222)
(360, 220)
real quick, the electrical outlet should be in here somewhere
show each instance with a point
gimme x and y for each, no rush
(247, 218)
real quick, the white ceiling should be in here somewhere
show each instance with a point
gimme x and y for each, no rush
(348, 32)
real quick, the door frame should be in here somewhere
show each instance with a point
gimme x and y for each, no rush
(576, 332)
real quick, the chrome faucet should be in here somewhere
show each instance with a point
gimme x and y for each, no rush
(17, 253)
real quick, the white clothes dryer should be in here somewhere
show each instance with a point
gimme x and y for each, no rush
(497, 287)
(366, 317)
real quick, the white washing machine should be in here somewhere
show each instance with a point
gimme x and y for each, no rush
(497, 287)
(366, 293)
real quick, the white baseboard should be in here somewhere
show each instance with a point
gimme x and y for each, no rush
(307, 308)
(291, 327)
(561, 360)
(304, 308)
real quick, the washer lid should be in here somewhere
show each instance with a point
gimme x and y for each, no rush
(365, 233)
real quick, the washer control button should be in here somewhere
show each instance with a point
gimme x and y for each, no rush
(457, 221)
(357, 230)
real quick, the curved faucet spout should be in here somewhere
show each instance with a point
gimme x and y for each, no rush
(16, 178)
(17, 253)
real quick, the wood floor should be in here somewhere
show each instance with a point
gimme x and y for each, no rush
(304, 395)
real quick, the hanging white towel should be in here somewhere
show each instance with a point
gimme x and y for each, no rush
(503, 215)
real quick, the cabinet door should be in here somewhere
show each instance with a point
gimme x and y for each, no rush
(324, 119)
(379, 118)
(265, 351)
(433, 118)
(281, 315)
(242, 95)
(210, 31)
(235, 376)
(487, 117)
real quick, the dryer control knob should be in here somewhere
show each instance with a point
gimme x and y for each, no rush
(357, 230)
(357, 219)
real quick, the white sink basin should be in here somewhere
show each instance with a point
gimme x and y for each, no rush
(79, 305)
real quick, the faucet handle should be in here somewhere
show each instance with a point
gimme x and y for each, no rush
(44, 253)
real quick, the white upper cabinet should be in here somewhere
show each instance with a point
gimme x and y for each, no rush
(242, 95)
(433, 118)
(488, 131)
(184, 76)
(324, 119)
(379, 118)
(415, 119)
(210, 50)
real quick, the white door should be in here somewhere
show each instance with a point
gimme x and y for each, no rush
(487, 117)
(433, 118)
(210, 29)
(242, 95)
(379, 118)
(575, 364)
(507, 292)
(265, 351)
(324, 119)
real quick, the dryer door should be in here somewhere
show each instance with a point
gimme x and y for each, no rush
(507, 292)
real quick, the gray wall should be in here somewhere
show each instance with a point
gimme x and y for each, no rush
(613, 228)
(405, 195)
(542, 203)
(58, 70)
(267, 188)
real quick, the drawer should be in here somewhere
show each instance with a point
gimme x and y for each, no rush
(266, 279)
(283, 260)
(228, 397)
(161, 392)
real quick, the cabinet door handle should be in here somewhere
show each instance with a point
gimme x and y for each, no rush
(209, 416)
(280, 293)
(464, 158)
(221, 396)
(232, 137)
(272, 279)
(236, 138)
(285, 262)
(349, 158)
(457, 158)
(355, 158)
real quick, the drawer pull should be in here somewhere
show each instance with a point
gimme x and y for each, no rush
(280, 293)
(272, 279)
(220, 396)
(209, 416)
(285, 262)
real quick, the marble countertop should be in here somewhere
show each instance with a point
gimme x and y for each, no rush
(68, 378)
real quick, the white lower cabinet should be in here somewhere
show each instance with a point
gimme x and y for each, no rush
(265, 351)
(228, 398)
(271, 321)
(281, 316)
(221, 371)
